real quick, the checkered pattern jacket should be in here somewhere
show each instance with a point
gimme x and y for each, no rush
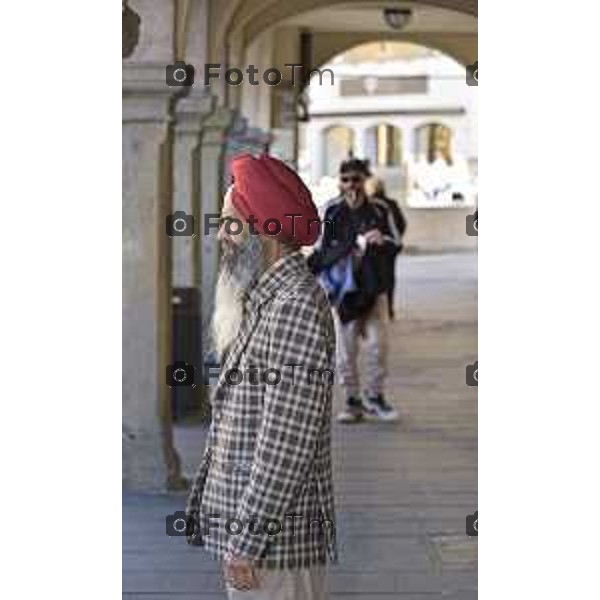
(264, 488)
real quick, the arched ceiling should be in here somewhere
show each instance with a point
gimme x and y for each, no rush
(248, 18)
(329, 45)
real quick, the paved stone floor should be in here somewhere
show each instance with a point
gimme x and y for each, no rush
(403, 490)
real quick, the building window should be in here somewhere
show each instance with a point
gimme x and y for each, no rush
(384, 145)
(434, 140)
(339, 144)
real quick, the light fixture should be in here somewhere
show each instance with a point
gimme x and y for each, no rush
(130, 30)
(397, 18)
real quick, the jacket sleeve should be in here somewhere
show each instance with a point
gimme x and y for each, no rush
(335, 243)
(392, 238)
(293, 413)
(194, 500)
(399, 219)
(397, 222)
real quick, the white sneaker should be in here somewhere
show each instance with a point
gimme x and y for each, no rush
(378, 406)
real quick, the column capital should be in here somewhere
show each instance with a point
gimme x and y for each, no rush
(192, 111)
(216, 124)
(146, 95)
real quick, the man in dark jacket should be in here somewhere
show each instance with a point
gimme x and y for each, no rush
(358, 230)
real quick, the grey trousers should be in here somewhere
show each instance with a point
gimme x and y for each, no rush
(301, 584)
(373, 327)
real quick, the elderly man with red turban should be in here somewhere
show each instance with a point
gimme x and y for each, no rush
(262, 500)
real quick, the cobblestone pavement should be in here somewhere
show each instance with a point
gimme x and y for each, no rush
(403, 490)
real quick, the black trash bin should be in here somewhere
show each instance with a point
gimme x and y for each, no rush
(187, 347)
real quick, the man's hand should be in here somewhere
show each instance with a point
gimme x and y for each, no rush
(373, 236)
(240, 574)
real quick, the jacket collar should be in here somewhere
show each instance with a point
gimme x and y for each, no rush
(286, 269)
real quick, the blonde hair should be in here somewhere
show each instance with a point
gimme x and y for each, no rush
(374, 186)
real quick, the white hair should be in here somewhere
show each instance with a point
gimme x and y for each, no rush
(240, 268)
(228, 313)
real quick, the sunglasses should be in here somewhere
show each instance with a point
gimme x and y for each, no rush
(352, 179)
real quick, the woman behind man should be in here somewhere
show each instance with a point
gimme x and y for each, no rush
(375, 189)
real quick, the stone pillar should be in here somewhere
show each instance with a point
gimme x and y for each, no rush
(150, 461)
(409, 156)
(212, 188)
(190, 115)
(243, 139)
(234, 142)
(408, 142)
(361, 148)
(317, 152)
(460, 139)
(186, 276)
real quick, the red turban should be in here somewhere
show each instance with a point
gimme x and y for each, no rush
(267, 190)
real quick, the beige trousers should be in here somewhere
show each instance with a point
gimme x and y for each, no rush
(373, 328)
(301, 584)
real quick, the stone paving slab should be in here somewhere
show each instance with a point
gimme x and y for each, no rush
(403, 490)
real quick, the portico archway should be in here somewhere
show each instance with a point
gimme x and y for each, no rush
(176, 147)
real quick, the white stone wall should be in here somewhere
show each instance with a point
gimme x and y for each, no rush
(448, 101)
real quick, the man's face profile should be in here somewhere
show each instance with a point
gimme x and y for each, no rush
(242, 262)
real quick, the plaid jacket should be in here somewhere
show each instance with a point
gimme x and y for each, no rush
(268, 452)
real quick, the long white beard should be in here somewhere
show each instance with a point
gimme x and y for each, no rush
(227, 316)
(240, 268)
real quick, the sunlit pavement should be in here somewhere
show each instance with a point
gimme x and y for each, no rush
(403, 490)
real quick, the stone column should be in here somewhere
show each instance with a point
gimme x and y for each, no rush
(186, 276)
(409, 156)
(361, 148)
(150, 461)
(241, 138)
(212, 188)
(407, 141)
(317, 152)
(190, 115)
(234, 142)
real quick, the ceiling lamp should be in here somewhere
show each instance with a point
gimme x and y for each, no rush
(397, 18)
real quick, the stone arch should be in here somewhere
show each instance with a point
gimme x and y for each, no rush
(248, 18)
(338, 43)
